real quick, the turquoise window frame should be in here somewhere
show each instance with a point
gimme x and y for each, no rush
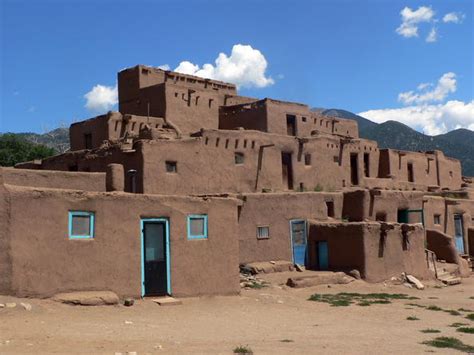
(197, 216)
(91, 215)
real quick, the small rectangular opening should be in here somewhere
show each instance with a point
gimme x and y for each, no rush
(437, 219)
(367, 164)
(411, 177)
(381, 216)
(291, 125)
(307, 159)
(171, 167)
(239, 158)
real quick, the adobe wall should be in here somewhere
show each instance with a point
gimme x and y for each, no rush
(369, 205)
(97, 127)
(251, 116)
(98, 160)
(276, 210)
(364, 247)
(446, 208)
(429, 169)
(5, 255)
(54, 179)
(45, 261)
(231, 100)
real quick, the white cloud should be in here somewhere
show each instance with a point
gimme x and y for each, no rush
(432, 36)
(245, 67)
(412, 18)
(430, 119)
(454, 17)
(446, 85)
(164, 67)
(101, 98)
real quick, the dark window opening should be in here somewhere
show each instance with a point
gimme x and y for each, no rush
(245, 143)
(437, 219)
(207, 140)
(239, 158)
(411, 177)
(236, 143)
(291, 125)
(381, 217)
(330, 208)
(171, 166)
(287, 170)
(402, 216)
(226, 143)
(217, 141)
(88, 140)
(354, 169)
(303, 119)
(307, 159)
(367, 164)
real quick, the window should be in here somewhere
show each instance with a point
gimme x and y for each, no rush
(381, 217)
(81, 225)
(303, 119)
(263, 232)
(239, 158)
(411, 177)
(307, 159)
(197, 226)
(437, 219)
(171, 167)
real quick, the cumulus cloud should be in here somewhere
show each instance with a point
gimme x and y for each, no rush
(101, 98)
(412, 18)
(245, 67)
(446, 85)
(430, 119)
(454, 17)
(432, 36)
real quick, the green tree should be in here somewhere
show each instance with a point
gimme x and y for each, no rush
(14, 149)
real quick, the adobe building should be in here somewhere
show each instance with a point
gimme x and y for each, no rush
(189, 180)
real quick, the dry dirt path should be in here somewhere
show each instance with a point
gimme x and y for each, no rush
(259, 318)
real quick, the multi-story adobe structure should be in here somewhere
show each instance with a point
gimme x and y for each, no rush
(188, 180)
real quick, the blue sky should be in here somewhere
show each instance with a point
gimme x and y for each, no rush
(333, 54)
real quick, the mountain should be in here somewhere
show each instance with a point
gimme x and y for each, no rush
(58, 139)
(457, 144)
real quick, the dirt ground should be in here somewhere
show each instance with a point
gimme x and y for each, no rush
(271, 320)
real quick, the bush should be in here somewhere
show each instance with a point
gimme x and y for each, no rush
(14, 150)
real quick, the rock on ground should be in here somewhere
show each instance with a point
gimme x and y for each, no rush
(88, 298)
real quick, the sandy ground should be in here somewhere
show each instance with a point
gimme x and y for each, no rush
(259, 319)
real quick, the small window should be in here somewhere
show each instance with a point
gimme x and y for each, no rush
(437, 219)
(239, 158)
(81, 225)
(197, 226)
(171, 167)
(335, 159)
(381, 217)
(307, 159)
(263, 232)
(303, 119)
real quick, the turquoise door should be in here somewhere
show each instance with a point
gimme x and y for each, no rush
(323, 255)
(298, 241)
(459, 233)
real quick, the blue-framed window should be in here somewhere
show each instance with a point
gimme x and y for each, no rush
(197, 226)
(81, 225)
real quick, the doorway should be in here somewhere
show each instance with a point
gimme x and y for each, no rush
(155, 251)
(354, 169)
(323, 255)
(291, 125)
(459, 233)
(411, 175)
(298, 241)
(287, 170)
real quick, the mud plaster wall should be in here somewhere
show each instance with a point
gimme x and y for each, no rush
(97, 128)
(5, 257)
(428, 169)
(446, 209)
(276, 211)
(45, 261)
(250, 116)
(366, 205)
(375, 260)
(442, 245)
(54, 179)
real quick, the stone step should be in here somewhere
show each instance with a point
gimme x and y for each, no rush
(452, 280)
(167, 301)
